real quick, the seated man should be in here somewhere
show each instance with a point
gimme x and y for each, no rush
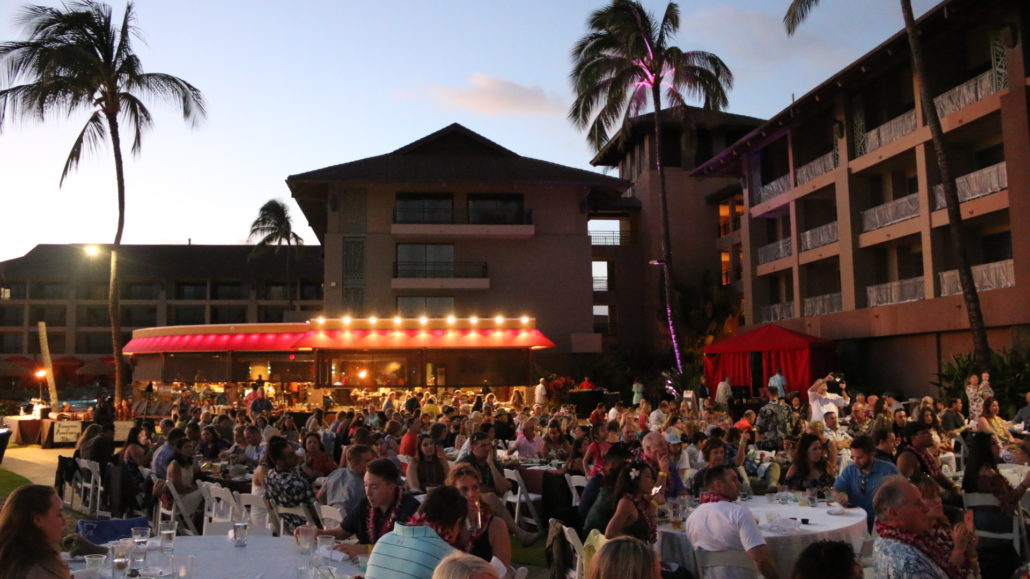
(345, 487)
(720, 524)
(886, 442)
(858, 482)
(413, 550)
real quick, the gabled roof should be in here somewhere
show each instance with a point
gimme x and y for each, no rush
(766, 338)
(454, 154)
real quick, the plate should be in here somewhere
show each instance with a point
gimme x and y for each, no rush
(837, 512)
(155, 572)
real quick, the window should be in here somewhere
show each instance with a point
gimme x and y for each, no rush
(191, 290)
(12, 316)
(139, 316)
(93, 343)
(424, 208)
(425, 260)
(55, 342)
(49, 290)
(12, 291)
(496, 209)
(271, 314)
(275, 291)
(600, 273)
(228, 291)
(92, 290)
(724, 261)
(92, 316)
(186, 315)
(140, 291)
(311, 290)
(52, 315)
(603, 320)
(229, 315)
(432, 306)
(10, 343)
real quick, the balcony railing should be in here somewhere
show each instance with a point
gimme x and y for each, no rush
(819, 236)
(451, 216)
(988, 276)
(966, 93)
(819, 166)
(889, 213)
(610, 237)
(890, 131)
(895, 292)
(774, 251)
(777, 312)
(600, 284)
(439, 269)
(773, 188)
(976, 184)
(822, 305)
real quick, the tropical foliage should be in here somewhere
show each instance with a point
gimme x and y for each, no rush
(1010, 377)
(273, 227)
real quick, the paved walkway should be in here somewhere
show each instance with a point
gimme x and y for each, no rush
(34, 463)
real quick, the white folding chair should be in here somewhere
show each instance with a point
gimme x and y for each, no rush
(577, 483)
(707, 559)
(572, 537)
(93, 488)
(521, 573)
(330, 514)
(259, 519)
(973, 500)
(279, 511)
(176, 512)
(522, 497)
(219, 505)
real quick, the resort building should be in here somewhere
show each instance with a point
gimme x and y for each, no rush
(843, 227)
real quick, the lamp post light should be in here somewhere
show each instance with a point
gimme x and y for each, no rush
(40, 376)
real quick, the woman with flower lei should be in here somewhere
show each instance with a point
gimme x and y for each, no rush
(487, 535)
(635, 511)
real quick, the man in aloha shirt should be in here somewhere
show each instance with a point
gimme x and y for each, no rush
(773, 423)
(286, 485)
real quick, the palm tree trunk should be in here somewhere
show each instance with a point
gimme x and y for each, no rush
(113, 285)
(289, 273)
(667, 280)
(981, 349)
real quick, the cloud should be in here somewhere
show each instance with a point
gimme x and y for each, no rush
(488, 95)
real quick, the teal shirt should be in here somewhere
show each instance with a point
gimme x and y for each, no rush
(407, 552)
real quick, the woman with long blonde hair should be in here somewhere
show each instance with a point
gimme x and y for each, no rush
(625, 557)
(31, 524)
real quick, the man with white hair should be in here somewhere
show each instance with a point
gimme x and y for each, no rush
(822, 401)
(655, 450)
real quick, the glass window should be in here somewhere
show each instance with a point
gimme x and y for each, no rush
(93, 343)
(12, 291)
(92, 290)
(95, 316)
(191, 290)
(271, 314)
(140, 291)
(275, 291)
(424, 208)
(10, 343)
(52, 315)
(55, 342)
(228, 291)
(229, 315)
(311, 290)
(139, 316)
(496, 209)
(431, 306)
(603, 320)
(49, 290)
(12, 315)
(186, 315)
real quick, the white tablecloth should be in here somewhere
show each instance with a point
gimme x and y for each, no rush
(785, 548)
(263, 557)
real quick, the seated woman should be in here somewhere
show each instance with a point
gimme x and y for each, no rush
(593, 460)
(182, 476)
(317, 462)
(574, 464)
(625, 557)
(991, 423)
(488, 535)
(713, 451)
(211, 443)
(634, 512)
(809, 469)
(555, 444)
(603, 507)
(31, 524)
(429, 466)
(982, 476)
(137, 451)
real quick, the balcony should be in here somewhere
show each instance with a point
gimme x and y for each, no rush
(976, 184)
(460, 223)
(988, 276)
(600, 284)
(777, 312)
(440, 275)
(890, 131)
(895, 292)
(773, 188)
(819, 236)
(967, 93)
(819, 166)
(610, 237)
(774, 251)
(821, 305)
(890, 213)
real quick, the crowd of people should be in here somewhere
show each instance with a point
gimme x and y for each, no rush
(897, 461)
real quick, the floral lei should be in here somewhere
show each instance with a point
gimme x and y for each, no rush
(420, 519)
(933, 545)
(644, 511)
(712, 498)
(388, 521)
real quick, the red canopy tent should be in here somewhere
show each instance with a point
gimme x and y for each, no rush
(800, 356)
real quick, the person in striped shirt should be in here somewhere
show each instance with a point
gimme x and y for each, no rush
(413, 551)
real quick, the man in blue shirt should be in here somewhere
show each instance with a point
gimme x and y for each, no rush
(858, 482)
(1023, 416)
(778, 383)
(164, 455)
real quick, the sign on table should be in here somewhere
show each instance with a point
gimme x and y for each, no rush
(67, 431)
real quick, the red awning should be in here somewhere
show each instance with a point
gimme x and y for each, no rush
(255, 342)
(342, 340)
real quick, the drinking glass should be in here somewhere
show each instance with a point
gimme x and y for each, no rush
(120, 551)
(474, 521)
(306, 538)
(167, 533)
(94, 564)
(813, 496)
(323, 547)
(139, 547)
(181, 566)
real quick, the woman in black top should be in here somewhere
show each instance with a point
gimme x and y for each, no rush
(488, 535)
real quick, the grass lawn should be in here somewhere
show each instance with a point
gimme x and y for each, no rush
(10, 481)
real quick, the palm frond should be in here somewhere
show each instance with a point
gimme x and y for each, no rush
(166, 86)
(92, 135)
(797, 12)
(138, 116)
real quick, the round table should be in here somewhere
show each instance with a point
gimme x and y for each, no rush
(784, 547)
(262, 558)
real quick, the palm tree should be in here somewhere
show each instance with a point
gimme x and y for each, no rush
(796, 14)
(274, 227)
(76, 58)
(622, 65)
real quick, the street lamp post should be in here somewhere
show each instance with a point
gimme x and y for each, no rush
(40, 376)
